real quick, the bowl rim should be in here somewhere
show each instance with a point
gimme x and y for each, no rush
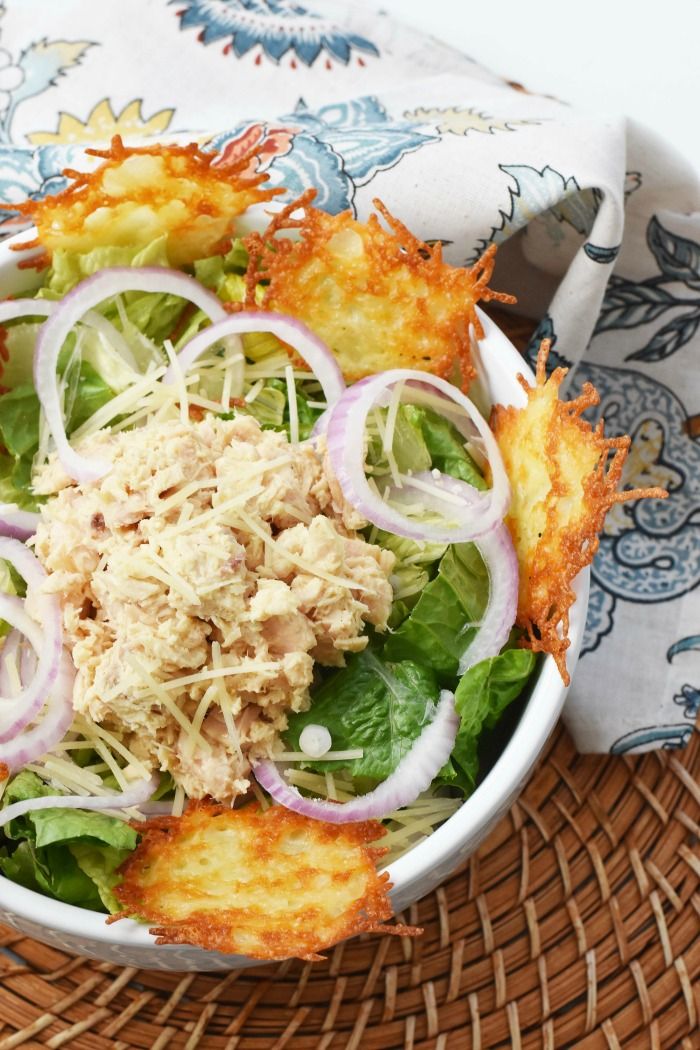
(490, 798)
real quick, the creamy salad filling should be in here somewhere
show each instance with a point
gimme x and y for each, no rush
(200, 581)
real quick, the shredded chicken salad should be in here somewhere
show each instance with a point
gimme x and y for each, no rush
(258, 552)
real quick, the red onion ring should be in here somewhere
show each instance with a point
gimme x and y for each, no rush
(10, 650)
(414, 774)
(16, 712)
(19, 524)
(52, 727)
(501, 561)
(498, 554)
(70, 310)
(288, 329)
(12, 309)
(134, 796)
(345, 435)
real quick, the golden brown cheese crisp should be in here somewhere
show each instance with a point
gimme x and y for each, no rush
(270, 884)
(564, 476)
(379, 298)
(140, 194)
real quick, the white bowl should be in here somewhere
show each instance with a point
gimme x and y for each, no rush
(419, 870)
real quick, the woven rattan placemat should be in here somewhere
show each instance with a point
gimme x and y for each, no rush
(577, 924)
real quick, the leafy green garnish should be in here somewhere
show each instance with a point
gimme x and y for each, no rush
(53, 871)
(146, 318)
(224, 273)
(373, 704)
(19, 429)
(440, 626)
(69, 854)
(445, 446)
(416, 564)
(482, 696)
(100, 864)
(271, 409)
(423, 440)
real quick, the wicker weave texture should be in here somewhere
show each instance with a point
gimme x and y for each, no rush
(577, 924)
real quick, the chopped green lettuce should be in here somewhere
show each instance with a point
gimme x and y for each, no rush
(69, 854)
(53, 871)
(146, 318)
(445, 446)
(271, 409)
(373, 704)
(416, 564)
(424, 440)
(19, 429)
(441, 624)
(100, 863)
(69, 268)
(224, 273)
(482, 696)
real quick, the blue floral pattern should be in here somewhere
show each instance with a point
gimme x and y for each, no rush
(635, 304)
(674, 734)
(337, 148)
(277, 26)
(649, 551)
(547, 195)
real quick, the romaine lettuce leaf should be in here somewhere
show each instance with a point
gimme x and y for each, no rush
(271, 409)
(445, 446)
(45, 827)
(224, 273)
(68, 268)
(416, 564)
(144, 316)
(482, 696)
(440, 626)
(19, 421)
(19, 430)
(53, 871)
(424, 440)
(70, 854)
(100, 864)
(378, 705)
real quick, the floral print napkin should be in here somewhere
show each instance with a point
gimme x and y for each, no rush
(598, 220)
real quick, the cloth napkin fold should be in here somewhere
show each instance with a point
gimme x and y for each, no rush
(598, 220)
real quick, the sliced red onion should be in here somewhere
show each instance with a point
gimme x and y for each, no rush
(9, 651)
(19, 524)
(498, 554)
(321, 425)
(133, 796)
(52, 726)
(46, 638)
(288, 329)
(12, 309)
(414, 774)
(70, 310)
(501, 561)
(346, 444)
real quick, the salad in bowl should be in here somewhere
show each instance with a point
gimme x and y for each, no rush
(283, 535)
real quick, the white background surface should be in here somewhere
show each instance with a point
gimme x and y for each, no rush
(640, 58)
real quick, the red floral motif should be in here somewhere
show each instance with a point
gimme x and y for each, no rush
(268, 141)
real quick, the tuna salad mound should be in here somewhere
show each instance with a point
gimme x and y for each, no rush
(200, 581)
